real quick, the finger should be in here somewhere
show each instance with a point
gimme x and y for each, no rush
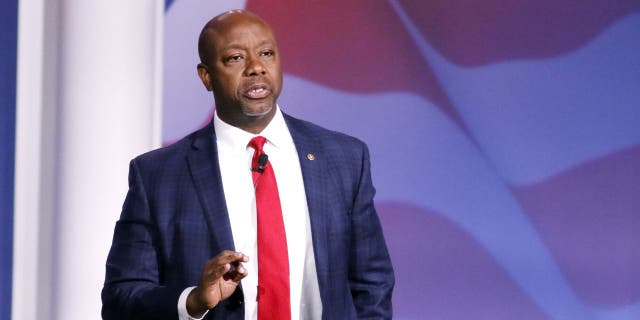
(236, 263)
(228, 257)
(237, 273)
(213, 272)
(224, 266)
(241, 274)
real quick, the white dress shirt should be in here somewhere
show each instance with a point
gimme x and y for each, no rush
(234, 156)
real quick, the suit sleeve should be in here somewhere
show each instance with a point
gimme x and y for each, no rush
(371, 276)
(132, 288)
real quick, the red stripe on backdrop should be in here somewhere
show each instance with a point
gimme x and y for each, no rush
(359, 46)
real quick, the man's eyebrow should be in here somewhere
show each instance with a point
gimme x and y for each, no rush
(238, 46)
(233, 46)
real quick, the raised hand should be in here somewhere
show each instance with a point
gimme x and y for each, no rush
(220, 278)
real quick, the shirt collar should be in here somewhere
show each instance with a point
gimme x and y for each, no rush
(276, 132)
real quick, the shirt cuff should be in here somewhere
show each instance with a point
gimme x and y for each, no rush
(182, 306)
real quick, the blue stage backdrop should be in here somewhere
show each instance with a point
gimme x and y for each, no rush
(9, 41)
(504, 140)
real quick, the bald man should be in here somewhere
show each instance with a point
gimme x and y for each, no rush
(186, 245)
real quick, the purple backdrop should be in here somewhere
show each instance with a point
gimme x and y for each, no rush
(504, 140)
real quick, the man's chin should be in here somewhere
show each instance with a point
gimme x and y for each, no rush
(257, 112)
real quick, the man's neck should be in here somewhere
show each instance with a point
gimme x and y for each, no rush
(248, 123)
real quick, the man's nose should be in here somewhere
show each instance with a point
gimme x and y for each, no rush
(255, 67)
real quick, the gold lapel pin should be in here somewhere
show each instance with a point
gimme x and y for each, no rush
(310, 156)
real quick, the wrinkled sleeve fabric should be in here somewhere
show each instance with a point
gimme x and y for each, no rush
(371, 276)
(132, 288)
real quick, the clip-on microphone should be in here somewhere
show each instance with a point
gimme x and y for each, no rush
(262, 161)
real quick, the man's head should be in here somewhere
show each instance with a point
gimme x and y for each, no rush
(240, 63)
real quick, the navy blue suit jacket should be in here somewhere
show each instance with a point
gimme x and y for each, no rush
(175, 218)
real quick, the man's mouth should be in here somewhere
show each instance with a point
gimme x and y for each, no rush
(257, 92)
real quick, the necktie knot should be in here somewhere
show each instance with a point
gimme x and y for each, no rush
(257, 143)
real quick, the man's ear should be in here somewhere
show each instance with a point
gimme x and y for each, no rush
(205, 76)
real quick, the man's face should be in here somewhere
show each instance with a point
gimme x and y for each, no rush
(243, 70)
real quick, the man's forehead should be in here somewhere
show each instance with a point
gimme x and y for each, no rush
(242, 28)
(239, 33)
(233, 28)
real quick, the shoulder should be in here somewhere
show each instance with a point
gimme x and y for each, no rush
(344, 156)
(175, 152)
(328, 138)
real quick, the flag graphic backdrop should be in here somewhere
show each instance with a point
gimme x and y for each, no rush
(504, 138)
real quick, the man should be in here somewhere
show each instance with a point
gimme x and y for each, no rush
(196, 199)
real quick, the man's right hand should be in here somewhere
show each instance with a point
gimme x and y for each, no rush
(220, 278)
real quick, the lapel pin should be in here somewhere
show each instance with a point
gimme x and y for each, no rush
(310, 156)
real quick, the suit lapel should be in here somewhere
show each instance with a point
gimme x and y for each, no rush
(205, 172)
(315, 167)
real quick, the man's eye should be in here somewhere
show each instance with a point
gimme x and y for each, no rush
(267, 53)
(234, 58)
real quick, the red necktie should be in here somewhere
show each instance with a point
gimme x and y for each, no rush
(273, 258)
